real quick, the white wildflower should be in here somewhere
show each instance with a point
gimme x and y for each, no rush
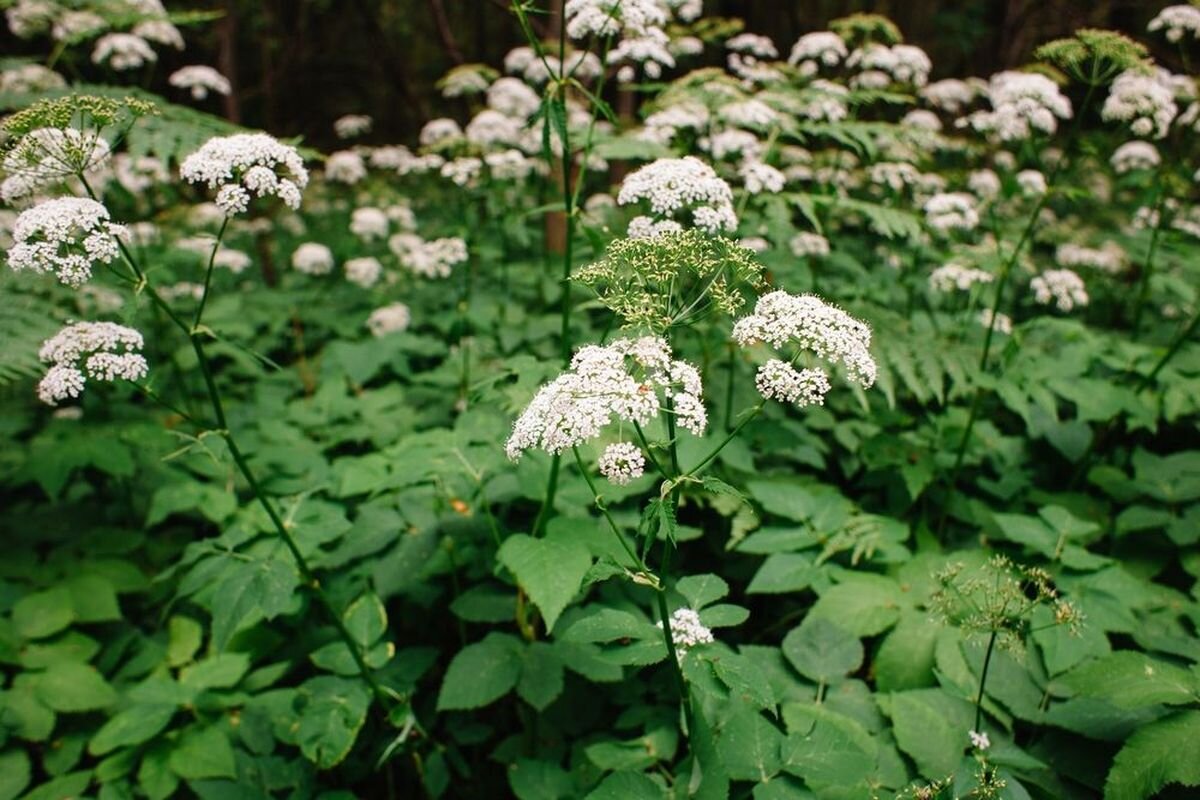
(950, 95)
(364, 272)
(980, 741)
(951, 211)
(674, 185)
(1177, 21)
(102, 351)
(621, 463)
(952, 276)
(313, 258)
(345, 166)
(369, 223)
(513, 98)
(200, 80)
(350, 126)
(1059, 286)
(1032, 182)
(779, 380)
(462, 171)
(806, 244)
(1109, 258)
(984, 184)
(123, 51)
(1022, 103)
(759, 177)
(29, 78)
(900, 63)
(922, 120)
(45, 156)
(439, 131)
(687, 631)
(756, 244)
(1135, 155)
(815, 50)
(388, 319)
(612, 17)
(65, 237)
(251, 161)
(752, 44)
(1145, 101)
(1003, 323)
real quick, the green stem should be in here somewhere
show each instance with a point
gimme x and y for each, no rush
(754, 412)
(539, 521)
(987, 660)
(1148, 268)
(612, 523)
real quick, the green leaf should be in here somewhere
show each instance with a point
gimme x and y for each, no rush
(782, 573)
(550, 570)
(905, 658)
(131, 726)
(749, 747)
(539, 780)
(65, 787)
(862, 603)
(250, 592)
(94, 599)
(702, 590)
(708, 779)
(823, 651)
(184, 636)
(14, 773)
(211, 501)
(221, 671)
(931, 726)
(745, 679)
(541, 675)
(334, 712)
(70, 687)
(24, 713)
(366, 619)
(1129, 679)
(202, 753)
(42, 614)
(825, 748)
(627, 786)
(481, 673)
(1156, 756)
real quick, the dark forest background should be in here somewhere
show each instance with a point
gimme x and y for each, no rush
(299, 64)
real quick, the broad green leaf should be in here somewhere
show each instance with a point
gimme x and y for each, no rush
(70, 646)
(931, 726)
(749, 747)
(825, 748)
(220, 671)
(823, 651)
(481, 673)
(134, 725)
(42, 614)
(184, 636)
(782, 573)
(70, 687)
(541, 675)
(64, 787)
(1131, 679)
(1156, 756)
(334, 710)
(210, 501)
(599, 624)
(366, 619)
(627, 786)
(485, 603)
(905, 658)
(14, 773)
(539, 780)
(253, 591)
(23, 713)
(94, 598)
(745, 679)
(862, 603)
(202, 752)
(708, 779)
(702, 590)
(550, 570)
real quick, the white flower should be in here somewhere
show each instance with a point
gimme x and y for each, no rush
(364, 272)
(313, 258)
(49, 155)
(950, 95)
(1146, 102)
(249, 160)
(779, 380)
(922, 120)
(1032, 182)
(980, 741)
(949, 277)
(754, 114)
(732, 142)
(900, 63)
(509, 164)
(159, 31)
(465, 80)
(123, 51)
(66, 237)
(81, 24)
(462, 171)
(182, 289)
(1022, 102)
(612, 17)
(895, 175)
(651, 49)
(752, 44)
(369, 223)
(951, 211)
(439, 131)
(621, 463)
(389, 318)
(1136, 155)
(759, 177)
(351, 125)
(1177, 21)
(103, 351)
(823, 101)
(621, 380)
(200, 80)
(1002, 325)
(687, 631)
(345, 166)
(814, 50)
(27, 18)
(432, 259)
(513, 98)
(643, 227)
(756, 244)
(808, 323)
(809, 244)
(136, 174)
(1110, 257)
(29, 78)
(1059, 286)
(674, 185)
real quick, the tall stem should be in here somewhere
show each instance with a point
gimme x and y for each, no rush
(987, 660)
(1148, 267)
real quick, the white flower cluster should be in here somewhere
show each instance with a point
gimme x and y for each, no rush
(1177, 21)
(650, 49)
(463, 81)
(984, 184)
(731, 142)
(523, 61)
(368, 223)
(429, 259)
(662, 126)
(388, 319)
(1145, 101)
(621, 463)
(779, 380)
(672, 185)
(439, 131)
(980, 741)
(513, 98)
(951, 211)
(951, 95)
(138, 173)
(922, 120)
(687, 631)
(313, 258)
(612, 17)
(200, 80)
(1003, 322)
(510, 164)
(345, 166)
(28, 78)
(65, 236)
(809, 244)
(1135, 155)
(1110, 257)
(123, 51)
(949, 277)
(810, 324)
(349, 126)
(102, 351)
(752, 44)
(895, 175)
(824, 101)
(245, 165)
(759, 177)
(753, 114)
(880, 66)
(1032, 182)
(623, 380)
(364, 271)
(1022, 102)
(1059, 286)
(49, 155)
(815, 50)
(462, 171)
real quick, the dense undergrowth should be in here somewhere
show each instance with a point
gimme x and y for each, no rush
(388, 508)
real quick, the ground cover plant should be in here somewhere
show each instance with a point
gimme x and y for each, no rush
(799, 427)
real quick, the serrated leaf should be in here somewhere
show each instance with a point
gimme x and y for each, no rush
(551, 570)
(329, 722)
(1156, 756)
(749, 746)
(702, 590)
(825, 748)
(1130, 679)
(823, 651)
(481, 673)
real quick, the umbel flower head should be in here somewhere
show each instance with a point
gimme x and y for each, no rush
(687, 631)
(673, 278)
(1093, 55)
(103, 351)
(807, 324)
(64, 236)
(620, 381)
(675, 185)
(247, 165)
(46, 156)
(200, 79)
